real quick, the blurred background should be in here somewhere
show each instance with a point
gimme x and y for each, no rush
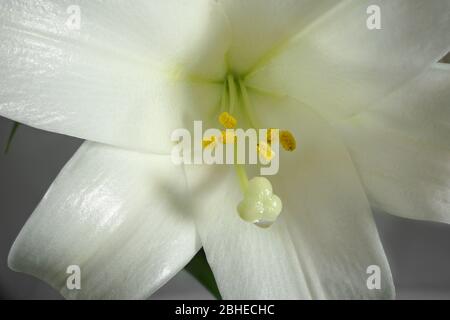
(418, 252)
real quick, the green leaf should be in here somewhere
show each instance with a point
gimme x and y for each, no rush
(199, 268)
(11, 136)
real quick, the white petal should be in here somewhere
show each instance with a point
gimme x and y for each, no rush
(325, 238)
(116, 214)
(326, 209)
(258, 26)
(339, 67)
(120, 78)
(402, 148)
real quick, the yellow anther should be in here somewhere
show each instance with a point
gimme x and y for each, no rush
(265, 151)
(228, 137)
(287, 141)
(269, 135)
(210, 141)
(227, 120)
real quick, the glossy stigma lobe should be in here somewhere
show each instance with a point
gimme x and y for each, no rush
(260, 206)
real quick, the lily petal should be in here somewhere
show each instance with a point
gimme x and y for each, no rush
(120, 79)
(402, 150)
(118, 216)
(326, 209)
(325, 238)
(340, 67)
(258, 26)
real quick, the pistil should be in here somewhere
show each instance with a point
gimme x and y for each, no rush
(259, 205)
(242, 177)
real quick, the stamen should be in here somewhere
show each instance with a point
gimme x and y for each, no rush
(232, 92)
(228, 137)
(247, 105)
(209, 142)
(227, 120)
(224, 98)
(265, 151)
(269, 135)
(287, 140)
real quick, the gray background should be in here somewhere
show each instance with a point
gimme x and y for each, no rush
(418, 252)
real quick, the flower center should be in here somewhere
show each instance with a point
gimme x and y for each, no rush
(260, 205)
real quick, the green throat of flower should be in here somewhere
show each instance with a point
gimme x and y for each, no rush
(260, 205)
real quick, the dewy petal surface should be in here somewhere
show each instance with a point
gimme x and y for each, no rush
(258, 26)
(325, 238)
(119, 215)
(401, 148)
(339, 67)
(120, 79)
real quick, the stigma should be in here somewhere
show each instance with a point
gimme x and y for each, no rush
(260, 205)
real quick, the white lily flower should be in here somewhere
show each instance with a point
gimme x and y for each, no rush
(369, 109)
